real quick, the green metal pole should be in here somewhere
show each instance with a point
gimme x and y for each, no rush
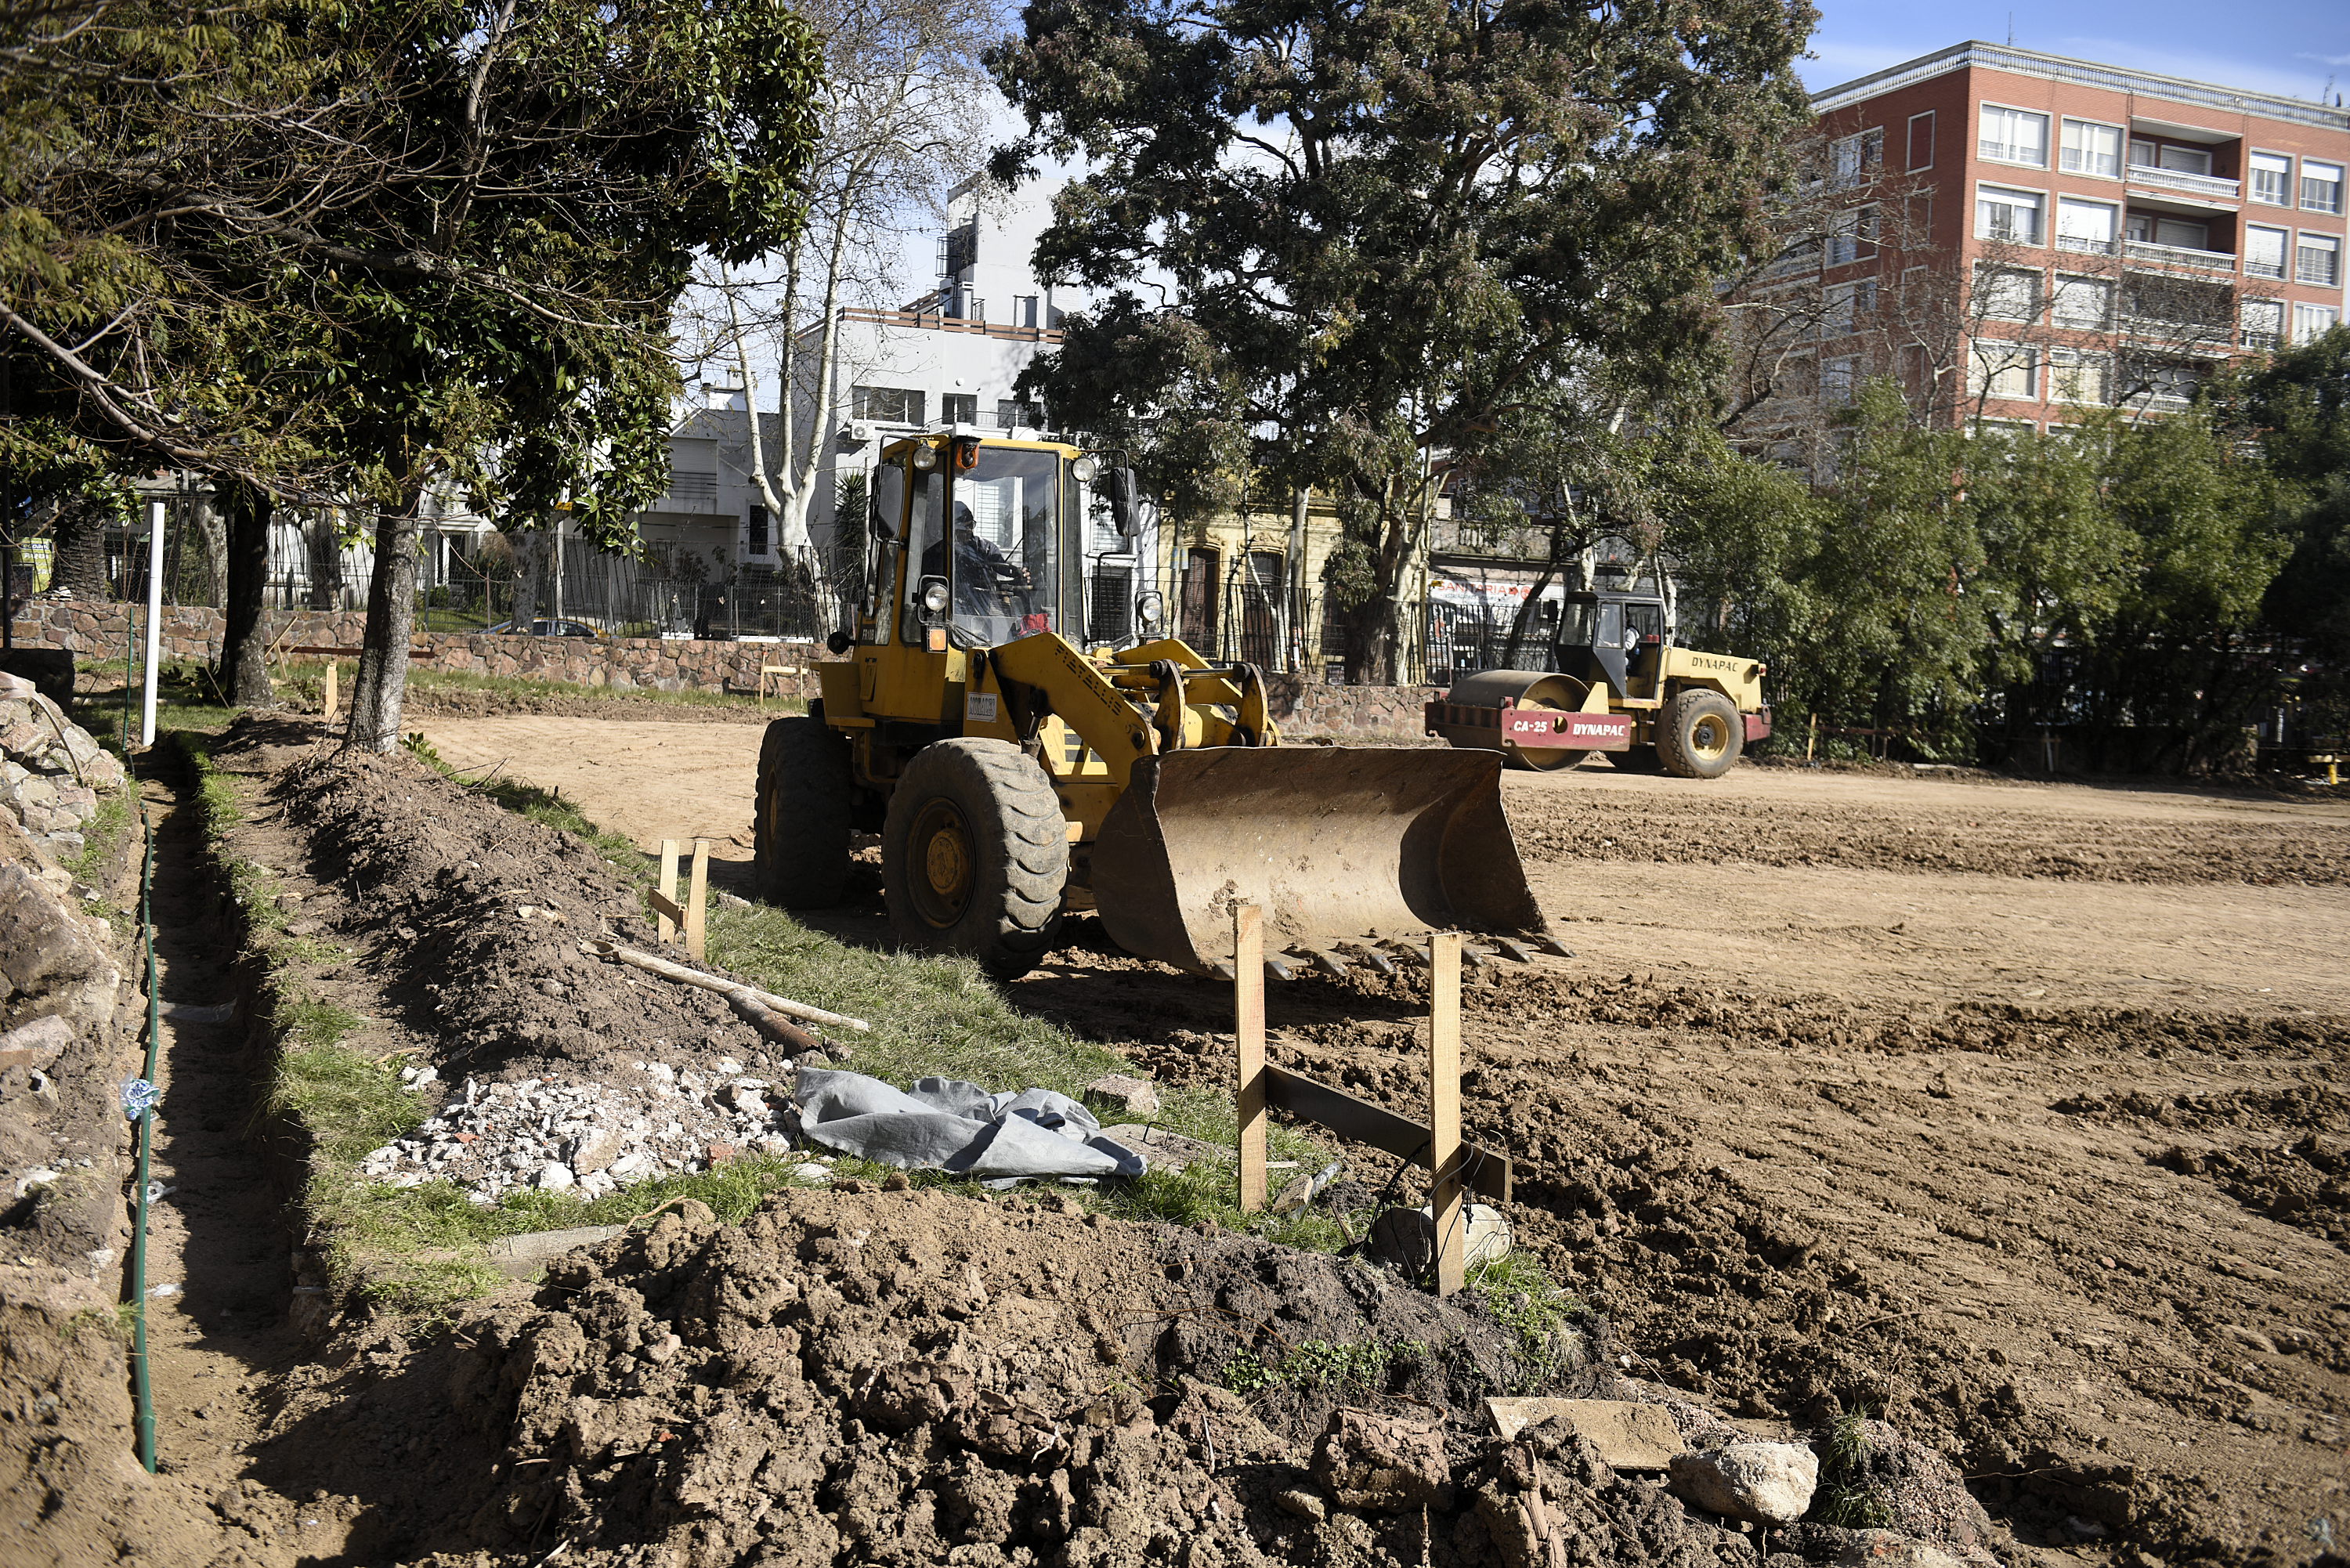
(142, 1388)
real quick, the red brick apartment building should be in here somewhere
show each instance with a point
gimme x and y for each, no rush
(2029, 234)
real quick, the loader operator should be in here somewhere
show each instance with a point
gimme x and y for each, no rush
(984, 573)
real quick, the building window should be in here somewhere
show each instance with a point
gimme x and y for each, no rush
(1855, 158)
(2312, 321)
(1921, 140)
(2263, 323)
(2170, 155)
(2013, 135)
(2074, 377)
(1845, 302)
(1835, 380)
(2271, 179)
(1023, 310)
(2009, 215)
(2168, 380)
(2180, 233)
(2091, 148)
(960, 408)
(2321, 186)
(890, 405)
(1010, 413)
(2003, 370)
(2264, 252)
(1852, 237)
(2007, 293)
(2085, 304)
(758, 530)
(2085, 226)
(2317, 259)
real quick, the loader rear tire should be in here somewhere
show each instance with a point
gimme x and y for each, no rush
(975, 855)
(800, 826)
(1699, 735)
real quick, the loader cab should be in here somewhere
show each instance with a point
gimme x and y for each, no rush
(977, 541)
(1615, 638)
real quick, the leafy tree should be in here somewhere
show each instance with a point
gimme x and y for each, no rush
(2296, 407)
(361, 249)
(1375, 232)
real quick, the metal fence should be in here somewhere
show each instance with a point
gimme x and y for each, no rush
(467, 580)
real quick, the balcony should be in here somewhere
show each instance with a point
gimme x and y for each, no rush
(2210, 187)
(2178, 256)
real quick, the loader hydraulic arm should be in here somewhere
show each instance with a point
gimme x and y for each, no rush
(1112, 728)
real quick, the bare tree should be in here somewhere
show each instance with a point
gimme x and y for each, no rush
(904, 115)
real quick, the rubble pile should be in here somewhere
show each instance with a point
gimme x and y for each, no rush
(585, 1136)
(51, 772)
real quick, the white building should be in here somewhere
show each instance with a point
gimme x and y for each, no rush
(950, 356)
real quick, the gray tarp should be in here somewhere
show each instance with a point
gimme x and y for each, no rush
(944, 1123)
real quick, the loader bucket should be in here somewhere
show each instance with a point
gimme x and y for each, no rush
(1336, 845)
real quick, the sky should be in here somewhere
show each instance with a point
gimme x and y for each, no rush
(2289, 48)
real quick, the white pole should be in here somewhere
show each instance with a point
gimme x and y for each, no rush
(154, 617)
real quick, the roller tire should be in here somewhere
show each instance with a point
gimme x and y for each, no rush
(975, 855)
(800, 824)
(1699, 735)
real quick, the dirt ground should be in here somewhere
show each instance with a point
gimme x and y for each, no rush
(2012, 1112)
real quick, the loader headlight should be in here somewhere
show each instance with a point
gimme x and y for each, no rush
(1151, 607)
(935, 596)
(1085, 468)
(926, 457)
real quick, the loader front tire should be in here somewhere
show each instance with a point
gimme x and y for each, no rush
(974, 855)
(1699, 735)
(799, 832)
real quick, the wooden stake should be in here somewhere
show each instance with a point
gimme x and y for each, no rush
(333, 695)
(1248, 1033)
(697, 900)
(1444, 1108)
(669, 888)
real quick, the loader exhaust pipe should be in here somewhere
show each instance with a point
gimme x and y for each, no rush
(1338, 845)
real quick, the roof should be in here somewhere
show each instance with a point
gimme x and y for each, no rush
(2084, 73)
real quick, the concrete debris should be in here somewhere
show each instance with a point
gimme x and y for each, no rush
(1124, 1096)
(1383, 1463)
(1766, 1483)
(588, 1138)
(35, 1045)
(1405, 1239)
(1168, 1151)
(1630, 1436)
(1886, 1549)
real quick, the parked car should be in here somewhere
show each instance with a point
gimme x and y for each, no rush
(545, 626)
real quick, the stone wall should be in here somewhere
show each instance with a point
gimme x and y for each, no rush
(96, 631)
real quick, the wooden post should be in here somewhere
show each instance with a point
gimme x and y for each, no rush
(1812, 741)
(334, 697)
(1248, 1035)
(1444, 1109)
(696, 900)
(669, 888)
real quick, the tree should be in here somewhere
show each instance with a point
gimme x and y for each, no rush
(1375, 233)
(902, 117)
(2295, 406)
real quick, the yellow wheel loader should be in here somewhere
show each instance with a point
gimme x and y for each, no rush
(1622, 687)
(1017, 769)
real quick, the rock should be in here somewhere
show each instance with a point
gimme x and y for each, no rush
(1405, 1239)
(718, 1153)
(1129, 1096)
(1296, 1500)
(1382, 1463)
(1767, 1483)
(1887, 1549)
(662, 1350)
(1630, 1436)
(35, 1044)
(595, 1149)
(555, 1177)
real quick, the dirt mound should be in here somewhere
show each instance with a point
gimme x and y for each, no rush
(1703, 827)
(916, 1378)
(475, 916)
